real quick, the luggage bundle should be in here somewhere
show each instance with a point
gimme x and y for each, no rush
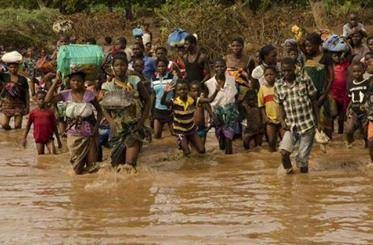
(80, 58)
(177, 38)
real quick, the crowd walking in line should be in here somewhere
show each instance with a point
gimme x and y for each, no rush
(133, 92)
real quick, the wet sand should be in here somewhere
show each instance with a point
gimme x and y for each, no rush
(243, 198)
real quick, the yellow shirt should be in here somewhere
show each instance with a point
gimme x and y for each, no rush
(266, 98)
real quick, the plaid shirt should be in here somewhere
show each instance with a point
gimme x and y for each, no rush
(296, 101)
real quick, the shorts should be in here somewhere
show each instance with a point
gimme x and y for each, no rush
(163, 116)
(43, 141)
(305, 141)
(202, 131)
(182, 137)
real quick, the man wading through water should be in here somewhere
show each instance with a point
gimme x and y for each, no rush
(296, 96)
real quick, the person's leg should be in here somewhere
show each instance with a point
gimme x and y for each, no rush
(171, 129)
(286, 148)
(51, 147)
(183, 144)
(5, 122)
(62, 126)
(341, 118)
(272, 136)
(305, 146)
(370, 140)
(157, 129)
(18, 121)
(246, 141)
(132, 154)
(197, 143)
(40, 148)
(228, 146)
(350, 129)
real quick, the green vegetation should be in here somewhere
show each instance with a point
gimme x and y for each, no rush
(21, 27)
(73, 6)
(29, 22)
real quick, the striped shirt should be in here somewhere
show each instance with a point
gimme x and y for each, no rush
(296, 101)
(183, 115)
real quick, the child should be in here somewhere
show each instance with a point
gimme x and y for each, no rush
(352, 24)
(252, 136)
(338, 88)
(296, 97)
(45, 126)
(369, 68)
(183, 107)
(199, 115)
(267, 57)
(357, 111)
(224, 105)
(162, 114)
(370, 43)
(269, 108)
(370, 112)
(293, 53)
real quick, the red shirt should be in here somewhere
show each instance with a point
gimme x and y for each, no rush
(44, 122)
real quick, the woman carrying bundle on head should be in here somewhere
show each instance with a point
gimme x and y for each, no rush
(82, 124)
(14, 92)
(127, 103)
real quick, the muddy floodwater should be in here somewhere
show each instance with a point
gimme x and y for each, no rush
(239, 199)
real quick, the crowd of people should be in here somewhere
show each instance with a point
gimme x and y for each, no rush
(286, 102)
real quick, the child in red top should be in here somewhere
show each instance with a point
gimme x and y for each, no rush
(45, 126)
(338, 88)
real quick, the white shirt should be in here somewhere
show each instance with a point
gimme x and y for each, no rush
(226, 95)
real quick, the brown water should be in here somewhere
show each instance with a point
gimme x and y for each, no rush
(239, 199)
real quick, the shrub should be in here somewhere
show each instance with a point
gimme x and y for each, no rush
(22, 27)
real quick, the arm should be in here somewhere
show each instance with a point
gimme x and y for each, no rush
(144, 95)
(27, 100)
(211, 99)
(168, 88)
(282, 115)
(176, 70)
(59, 143)
(206, 69)
(264, 114)
(328, 83)
(51, 97)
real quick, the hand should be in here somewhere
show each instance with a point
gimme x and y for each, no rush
(169, 87)
(24, 142)
(140, 124)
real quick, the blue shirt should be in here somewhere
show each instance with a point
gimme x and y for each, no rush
(149, 67)
(158, 84)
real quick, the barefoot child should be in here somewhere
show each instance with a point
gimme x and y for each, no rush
(224, 105)
(199, 115)
(296, 97)
(162, 114)
(357, 109)
(184, 107)
(269, 107)
(45, 126)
